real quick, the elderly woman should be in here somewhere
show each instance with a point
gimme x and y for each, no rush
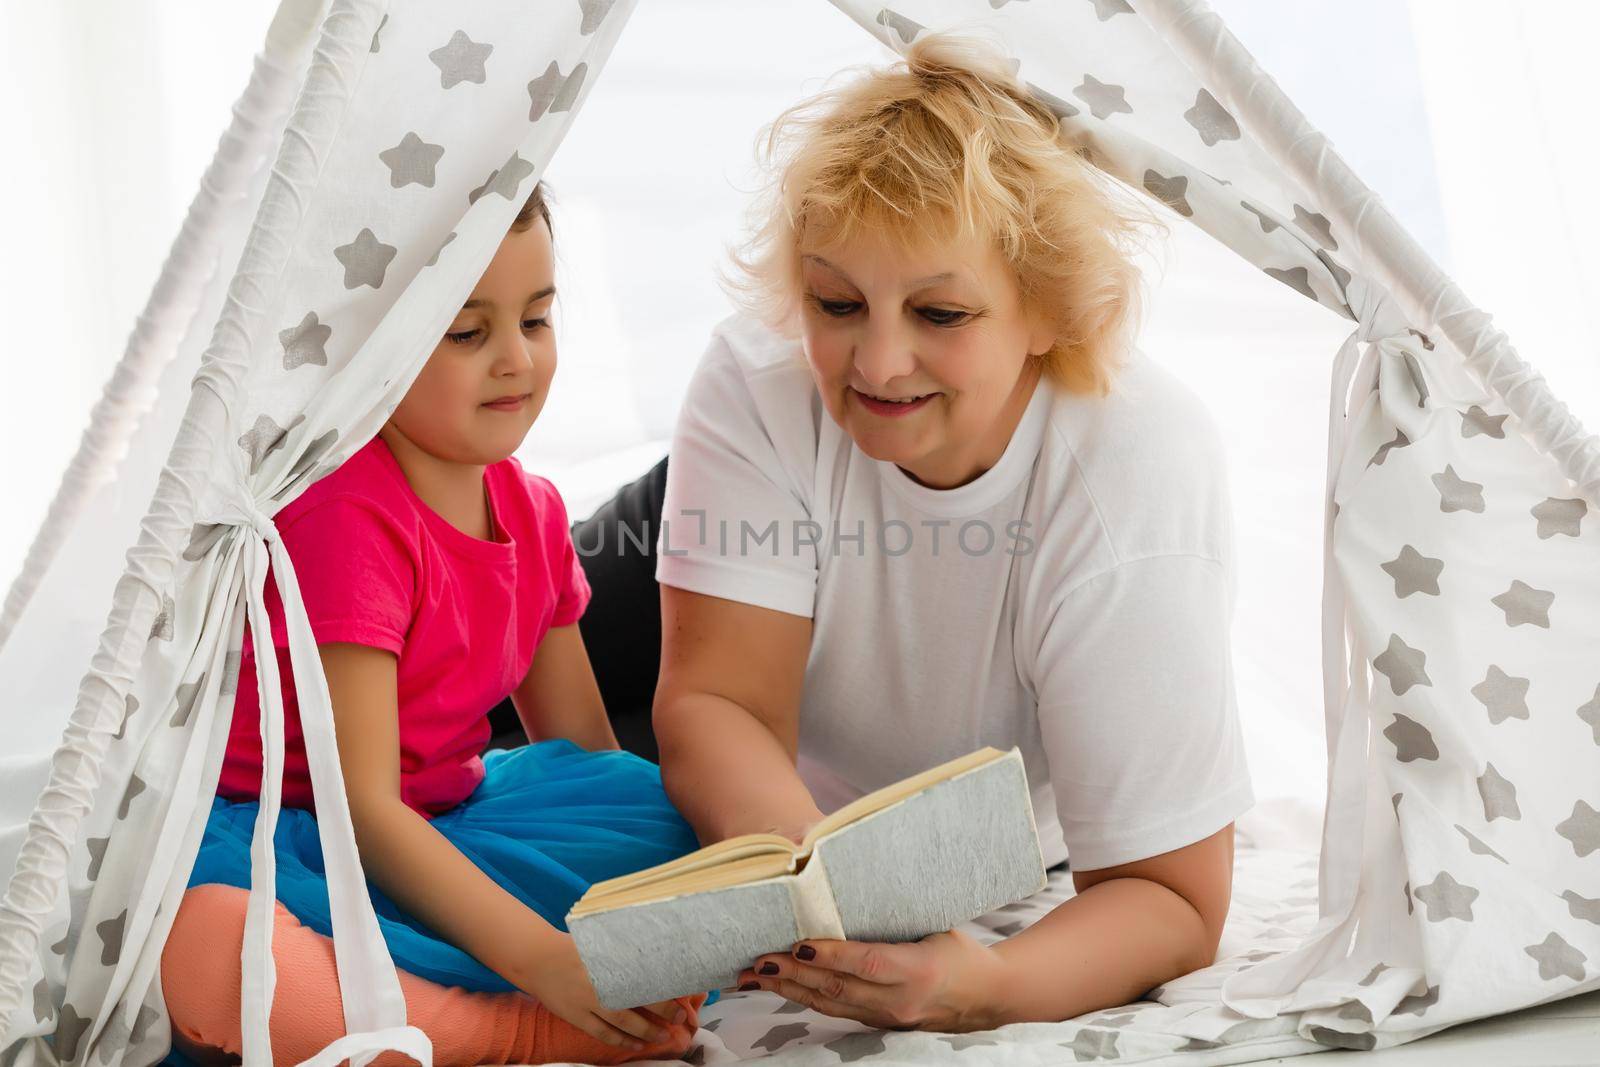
(926, 497)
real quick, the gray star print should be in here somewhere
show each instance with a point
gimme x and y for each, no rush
(412, 161)
(1475, 420)
(97, 855)
(1402, 665)
(1170, 191)
(1400, 441)
(1411, 740)
(141, 1024)
(135, 787)
(69, 1033)
(1582, 828)
(110, 933)
(1103, 98)
(1268, 224)
(263, 439)
(1104, 9)
(1414, 573)
(1372, 975)
(1499, 796)
(1557, 959)
(129, 706)
(1477, 846)
(1323, 1035)
(1057, 106)
(594, 13)
(230, 672)
(1317, 226)
(161, 628)
(1211, 120)
(1505, 697)
(305, 343)
(42, 1007)
(381, 24)
(962, 1042)
(1414, 370)
(503, 181)
(781, 1035)
(203, 536)
(1296, 278)
(901, 25)
(1525, 605)
(366, 260)
(1447, 898)
(188, 695)
(461, 61)
(443, 245)
(1093, 1045)
(1456, 493)
(1419, 1003)
(552, 93)
(1590, 713)
(1582, 907)
(1560, 517)
(856, 1046)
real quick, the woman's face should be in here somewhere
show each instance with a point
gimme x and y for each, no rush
(921, 355)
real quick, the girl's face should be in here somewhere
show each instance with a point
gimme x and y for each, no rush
(478, 394)
(921, 355)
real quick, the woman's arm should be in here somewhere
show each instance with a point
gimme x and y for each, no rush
(559, 696)
(1129, 929)
(429, 878)
(726, 715)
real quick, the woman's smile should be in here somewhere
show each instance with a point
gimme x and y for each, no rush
(892, 407)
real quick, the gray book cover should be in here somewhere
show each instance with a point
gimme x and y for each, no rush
(927, 863)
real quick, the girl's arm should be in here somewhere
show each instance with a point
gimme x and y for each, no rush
(559, 696)
(727, 715)
(429, 878)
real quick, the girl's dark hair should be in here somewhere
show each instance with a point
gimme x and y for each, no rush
(535, 208)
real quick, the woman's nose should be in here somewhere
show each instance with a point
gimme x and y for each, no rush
(883, 353)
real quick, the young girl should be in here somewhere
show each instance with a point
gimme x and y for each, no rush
(440, 578)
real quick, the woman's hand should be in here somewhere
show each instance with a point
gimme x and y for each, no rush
(946, 982)
(558, 979)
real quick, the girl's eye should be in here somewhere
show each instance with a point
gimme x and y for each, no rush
(535, 324)
(944, 316)
(464, 337)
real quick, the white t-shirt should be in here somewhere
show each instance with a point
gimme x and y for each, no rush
(1074, 600)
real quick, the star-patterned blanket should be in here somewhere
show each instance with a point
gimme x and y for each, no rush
(1274, 903)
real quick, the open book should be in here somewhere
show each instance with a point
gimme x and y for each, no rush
(914, 858)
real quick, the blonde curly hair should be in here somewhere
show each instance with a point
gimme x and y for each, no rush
(944, 144)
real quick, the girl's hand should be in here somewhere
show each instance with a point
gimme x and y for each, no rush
(945, 982)
(558, 979)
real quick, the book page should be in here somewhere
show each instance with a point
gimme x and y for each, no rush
(898, 791)
(733, 850)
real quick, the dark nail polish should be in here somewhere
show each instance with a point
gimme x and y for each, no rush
(749, 987)
(805, 952)
(768, 968)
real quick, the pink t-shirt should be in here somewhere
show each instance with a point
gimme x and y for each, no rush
(379, 567)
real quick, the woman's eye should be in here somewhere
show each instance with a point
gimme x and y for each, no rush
(945, 316)
(837, 308)
(463, 337)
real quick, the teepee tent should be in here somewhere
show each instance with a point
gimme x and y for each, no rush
(1461, 595)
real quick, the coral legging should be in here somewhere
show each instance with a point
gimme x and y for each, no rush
(200, 981)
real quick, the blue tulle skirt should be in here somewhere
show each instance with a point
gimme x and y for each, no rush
(548, 820)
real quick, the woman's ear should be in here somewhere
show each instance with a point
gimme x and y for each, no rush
(1042, 333)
